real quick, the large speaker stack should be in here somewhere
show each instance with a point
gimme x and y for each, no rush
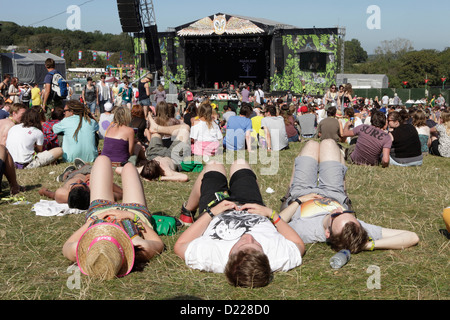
(130, 15)
(132, 22)
(153, 48)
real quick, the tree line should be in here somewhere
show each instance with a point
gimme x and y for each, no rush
(40, 39)
(400, 62)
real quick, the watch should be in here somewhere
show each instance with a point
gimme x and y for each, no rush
(208, 210)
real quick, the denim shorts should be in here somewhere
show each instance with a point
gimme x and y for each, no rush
(392, 162)
(145, 102)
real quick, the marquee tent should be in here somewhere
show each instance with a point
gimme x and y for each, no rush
(29, 67)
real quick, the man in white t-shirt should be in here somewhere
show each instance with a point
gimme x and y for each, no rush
(259, 96)
(385, 101)
(274, 130)
(25, 139)
(236, 233)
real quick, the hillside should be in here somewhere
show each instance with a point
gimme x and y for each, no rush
(39, 39)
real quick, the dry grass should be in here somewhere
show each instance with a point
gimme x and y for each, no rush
(32, 266)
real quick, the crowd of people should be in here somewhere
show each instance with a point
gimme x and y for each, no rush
(234, 233)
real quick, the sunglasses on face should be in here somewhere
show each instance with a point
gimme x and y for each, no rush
(337, 214)
(80, 184)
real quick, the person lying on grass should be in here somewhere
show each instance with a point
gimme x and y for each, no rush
(164, 163)
(101, 254)
(328, 218)
(76, 188)
(239, 236)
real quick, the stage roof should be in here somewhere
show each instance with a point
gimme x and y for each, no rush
(231, 24)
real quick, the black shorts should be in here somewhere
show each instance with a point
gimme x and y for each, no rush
(243, 188)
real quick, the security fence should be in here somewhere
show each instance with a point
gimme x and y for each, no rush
(404, 94)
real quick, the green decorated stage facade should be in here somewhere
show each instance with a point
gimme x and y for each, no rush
(234, 49)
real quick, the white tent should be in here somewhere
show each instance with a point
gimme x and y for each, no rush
(30, 67)
(363, 81)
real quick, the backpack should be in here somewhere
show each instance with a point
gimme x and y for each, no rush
(26, 96)
(180, 96)
(59, 85)
(189, 96)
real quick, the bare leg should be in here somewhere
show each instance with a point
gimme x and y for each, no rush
(194, 197)
(311, 149)
(101, 181)
(10, 171)
(329, 151)
(170, 130)
(133, 191)
(238, 165)
(56, 152)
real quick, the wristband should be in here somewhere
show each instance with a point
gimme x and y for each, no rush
(276, 221)
(373, 244)
(298, 201)
(273, 215)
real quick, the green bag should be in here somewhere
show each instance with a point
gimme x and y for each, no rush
(191, 166)
(163, 225)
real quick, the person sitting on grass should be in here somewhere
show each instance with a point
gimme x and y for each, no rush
(238, 236)
(373, 145)
(76, 188)
(406, 149)
(8, 169)
(319, 212)
(165, 163)
(120, 143)
(129, 240)
(79, 130)
(25, 143)
(441, 146)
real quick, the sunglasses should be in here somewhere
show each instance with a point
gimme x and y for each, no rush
(81, 183)
(337, 214)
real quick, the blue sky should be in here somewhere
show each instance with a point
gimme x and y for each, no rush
(424, 23)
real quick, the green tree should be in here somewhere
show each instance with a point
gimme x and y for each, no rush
(354, 55)
(415, 66)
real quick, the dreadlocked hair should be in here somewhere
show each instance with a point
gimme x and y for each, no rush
(79, 110)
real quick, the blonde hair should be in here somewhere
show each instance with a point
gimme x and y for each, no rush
(122, 116)
(445, 118)
(160, 87)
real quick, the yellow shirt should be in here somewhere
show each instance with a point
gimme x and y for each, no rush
(256, 125)
(36, 96)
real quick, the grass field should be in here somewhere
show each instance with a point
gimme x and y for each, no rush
(32, 266)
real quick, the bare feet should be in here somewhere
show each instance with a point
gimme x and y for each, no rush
(153, 125)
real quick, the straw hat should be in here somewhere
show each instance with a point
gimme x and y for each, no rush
(105, 251)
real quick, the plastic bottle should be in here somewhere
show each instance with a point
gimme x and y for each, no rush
(340, 259)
